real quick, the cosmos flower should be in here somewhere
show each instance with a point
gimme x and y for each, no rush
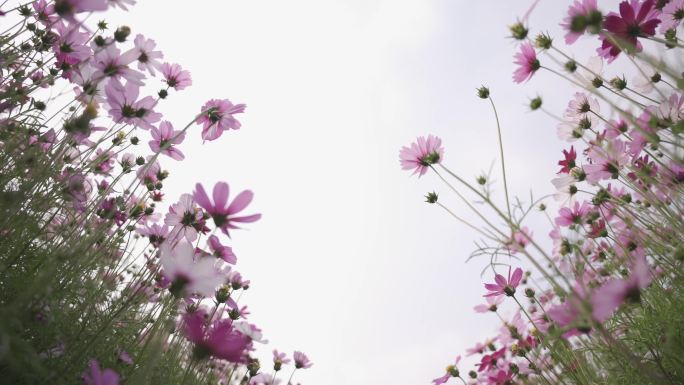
(301, 360)
(217, 116)
(218, 339)
(175, 76)
(123, 105)
(97, 376)
(636, 19)
(504, 286)
(187, 274)
(164, 139)
(582, 15)
(421, 154)
(221, 212)
(527, 63)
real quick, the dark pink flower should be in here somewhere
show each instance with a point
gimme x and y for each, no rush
(569, 162)
(97, 376)
(582, 15)
(221, 212)
(504, 286)
(219, 339)
(301, 360)
(175, 76)
(221, 251)
(636, 19)
(421, 154)
(164, 139)
(217, 116)
(527, 63)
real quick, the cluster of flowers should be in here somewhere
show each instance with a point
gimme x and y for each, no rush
(608, 305)
(99, 286)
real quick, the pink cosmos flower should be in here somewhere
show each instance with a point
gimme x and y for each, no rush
(125, 357)
(492, 304)
(143, 51)
(527, 63)
(45, 13)
(606, 299)
(221, 251)
(488, 361)
(504, 286)
(175, 76)
(187, 274)
(451, 371)
(219, 339)
(97, 376)
(70, 46)
(421, 154)
(567, 217)
(582, 107)
(301, 360)
(606, 162)
(581, 15)
(69, 8)
(519, 240)
(157, 234)
(672, 15)
(217, 116)
(636, 19)
(185, 218)
(110, 63)
(123, 105)
(164, 139)
(222, 213)
(280, 358)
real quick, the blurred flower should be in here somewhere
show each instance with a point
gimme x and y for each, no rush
(187, 274)
(219, 339)
(301, 360)
(97, 376)
(636, 19)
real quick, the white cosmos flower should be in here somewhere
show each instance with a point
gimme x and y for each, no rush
(187, 274)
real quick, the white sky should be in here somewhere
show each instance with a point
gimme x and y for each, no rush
(348, 264)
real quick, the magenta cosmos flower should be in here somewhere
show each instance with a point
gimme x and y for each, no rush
(219, 340)
(217, 116)
(636, 19)
(164, 139)
(175, 76)
(221, 212)
(421, 154)
(301, 360)
(527, 63)
(582, 15)
(97, 376)
(504, 286)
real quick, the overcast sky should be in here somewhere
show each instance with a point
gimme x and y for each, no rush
(348, 263)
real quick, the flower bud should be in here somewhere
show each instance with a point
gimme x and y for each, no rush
(571, 66)
(518, 31)
(431, 197)
(619, 83)
(163, 94)
(535, 103)
(543, 41)
(122, 33)
(483, 92)
(529, 292)
(140, 161)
